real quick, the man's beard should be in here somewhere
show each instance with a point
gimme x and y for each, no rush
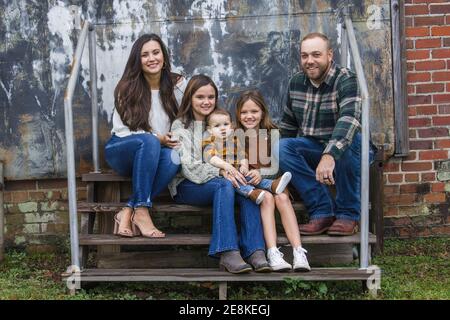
(322, 70)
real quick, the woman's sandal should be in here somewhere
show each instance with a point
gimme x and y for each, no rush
(152, 233)
(125, 232)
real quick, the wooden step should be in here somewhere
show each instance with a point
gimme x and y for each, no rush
(203, 239)
(96, 207)
(209, 274)
(103, 177)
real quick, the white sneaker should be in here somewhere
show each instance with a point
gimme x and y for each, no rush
(257, 195)
(282, 182)
(300, 260)
(276, 261)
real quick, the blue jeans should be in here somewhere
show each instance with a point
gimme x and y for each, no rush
(220, 193)
(301, 156)
(151, 166)
(244, 190)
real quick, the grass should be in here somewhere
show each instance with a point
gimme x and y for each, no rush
(411, 269)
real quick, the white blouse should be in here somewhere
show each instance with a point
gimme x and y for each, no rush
(158, 118)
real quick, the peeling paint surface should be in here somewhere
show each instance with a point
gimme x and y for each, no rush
(240, 44)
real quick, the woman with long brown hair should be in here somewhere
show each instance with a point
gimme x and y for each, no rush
(146, 103)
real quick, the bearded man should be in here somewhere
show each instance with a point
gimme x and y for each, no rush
(321, 143)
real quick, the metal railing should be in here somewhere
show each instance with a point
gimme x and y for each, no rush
(88, 30)
(365, 126)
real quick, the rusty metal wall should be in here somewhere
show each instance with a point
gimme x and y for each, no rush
(240, 44)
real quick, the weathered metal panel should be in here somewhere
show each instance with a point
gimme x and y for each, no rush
(241, 44)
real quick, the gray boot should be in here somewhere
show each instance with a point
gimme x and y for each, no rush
(233, 262)
(259, 262)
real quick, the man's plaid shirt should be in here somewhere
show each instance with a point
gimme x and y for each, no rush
(331, 113)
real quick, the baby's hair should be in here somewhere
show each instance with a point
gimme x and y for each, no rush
(218, 111)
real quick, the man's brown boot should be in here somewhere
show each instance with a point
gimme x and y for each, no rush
(316, 226)
(343, 227)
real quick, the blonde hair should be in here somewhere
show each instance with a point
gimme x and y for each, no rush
(218, 111)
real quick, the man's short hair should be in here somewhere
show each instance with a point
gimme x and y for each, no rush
(313, 35)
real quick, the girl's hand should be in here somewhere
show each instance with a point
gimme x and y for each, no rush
(168, 140)
(255, 177)
(234, 176)
(243, 170)
(229, 168)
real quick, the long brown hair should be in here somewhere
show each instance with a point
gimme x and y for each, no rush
(256, 97)
(185, 113)
(133, 97)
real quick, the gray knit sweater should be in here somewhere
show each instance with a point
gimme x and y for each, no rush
(193, 167)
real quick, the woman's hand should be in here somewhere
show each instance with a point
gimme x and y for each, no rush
(255, 177)
(168, 140)
(234, 176)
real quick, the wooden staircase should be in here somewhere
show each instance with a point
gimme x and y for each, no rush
(182, 254)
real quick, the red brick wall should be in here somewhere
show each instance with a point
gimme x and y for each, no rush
(36, 214)
(417, 188)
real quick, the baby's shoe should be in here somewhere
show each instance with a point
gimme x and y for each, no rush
(276, 261)
(257, 195)
(281, 183)
(300, 260)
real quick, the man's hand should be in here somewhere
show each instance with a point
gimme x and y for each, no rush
(324, 171)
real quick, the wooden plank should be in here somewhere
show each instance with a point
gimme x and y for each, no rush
(103, 177)
(320, 255)
(157, 208)
(197, 257)
(223, 291)
(107, 192)
(203, 239)
(215, 275)
(87, 225)
(189, 258)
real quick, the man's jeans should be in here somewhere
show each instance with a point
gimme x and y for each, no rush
(220, 193)
(151, 166)
(301, 156)
(244, 190)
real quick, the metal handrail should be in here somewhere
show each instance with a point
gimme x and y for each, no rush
(364, 245)
(68, 119)
(94, 99)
